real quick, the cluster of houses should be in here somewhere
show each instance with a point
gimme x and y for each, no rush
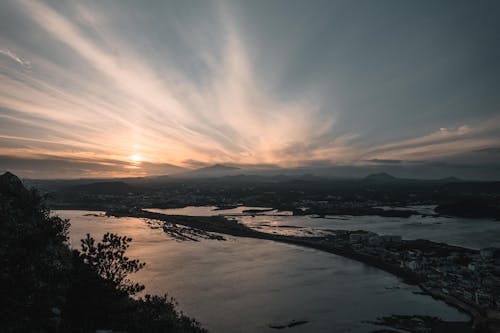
(473, 278)
(470, 276)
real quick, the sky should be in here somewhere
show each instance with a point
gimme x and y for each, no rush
(134, 88)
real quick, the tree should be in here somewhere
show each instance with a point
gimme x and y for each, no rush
(108, 260)
(35, 262)
(47, 287)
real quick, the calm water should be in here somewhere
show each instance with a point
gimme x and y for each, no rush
(243, 285)
(471, 233)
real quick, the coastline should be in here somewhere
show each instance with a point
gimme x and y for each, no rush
(222, 225)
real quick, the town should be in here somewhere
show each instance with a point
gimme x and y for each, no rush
(467, 279)
(301, 194)
(464, 278)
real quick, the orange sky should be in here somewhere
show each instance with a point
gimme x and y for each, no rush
(77, 90)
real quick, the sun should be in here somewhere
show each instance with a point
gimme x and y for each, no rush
(136, 158)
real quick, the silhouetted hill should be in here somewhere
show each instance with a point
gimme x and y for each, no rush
(379, 178)
(216, 170)
(47, 287)
(35, 260)
(450, 180)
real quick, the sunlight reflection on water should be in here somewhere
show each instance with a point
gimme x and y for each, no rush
(471, 233)
(243, 285)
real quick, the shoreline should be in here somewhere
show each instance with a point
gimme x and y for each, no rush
(220, 224)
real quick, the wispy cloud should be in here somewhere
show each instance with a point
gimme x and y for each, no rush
(13, 56)
(97, 92)
(443, 142)
(230, 119)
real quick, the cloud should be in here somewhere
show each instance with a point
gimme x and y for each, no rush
(195, 164)
(49, 166)
(490, 150)
(13, 56)
(381, 161)
(170, 116)
(442, 135)
(192, 87)
(444, 142)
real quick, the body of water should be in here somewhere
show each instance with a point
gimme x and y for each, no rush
(471, 233)
(244, 285)
(466, 232)
(214, 211)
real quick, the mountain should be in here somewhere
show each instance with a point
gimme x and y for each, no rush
(216, 170)
(450, 180)
(381, 177)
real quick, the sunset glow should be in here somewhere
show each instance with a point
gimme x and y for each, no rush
(82, 80)
(136, 158)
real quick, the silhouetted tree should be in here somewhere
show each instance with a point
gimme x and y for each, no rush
(108, 260)
(34, 258)
(46, 287)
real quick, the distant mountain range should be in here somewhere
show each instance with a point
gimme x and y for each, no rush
(384, 177)
(300, 173)
(365, 173)
(216, 170)
(381, 177)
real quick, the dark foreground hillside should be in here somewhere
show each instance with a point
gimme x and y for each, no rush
(47, 287)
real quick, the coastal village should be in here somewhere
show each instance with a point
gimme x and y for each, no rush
(466, 278)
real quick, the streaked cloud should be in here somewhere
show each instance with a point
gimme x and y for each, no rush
(9, 54)
(194, 84)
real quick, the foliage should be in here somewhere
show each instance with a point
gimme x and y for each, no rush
(46, 287)
(158, 314)
(34, 258)
(108, 260)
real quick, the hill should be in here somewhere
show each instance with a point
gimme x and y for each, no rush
(48, 287)
(450, 179)
(381, 177)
